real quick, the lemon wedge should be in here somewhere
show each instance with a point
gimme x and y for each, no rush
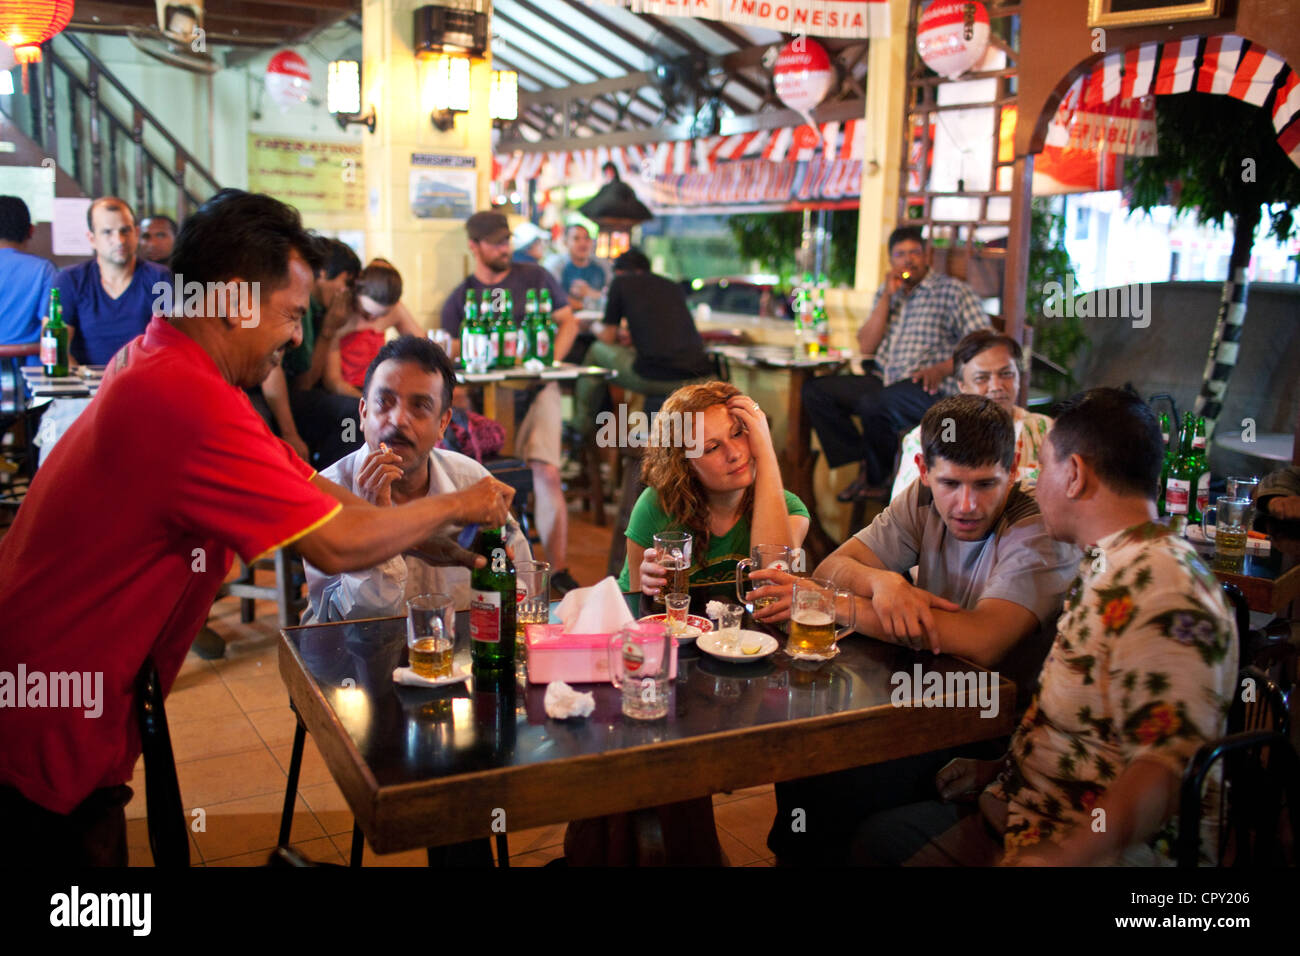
(753, 648)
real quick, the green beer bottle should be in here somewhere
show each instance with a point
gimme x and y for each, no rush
(547, 324)
(1203, 466)
(55, 338)
(1180, 486)
(1164, 466)
(821, 321)
(529, 329)
(492, 605)
(468, 330)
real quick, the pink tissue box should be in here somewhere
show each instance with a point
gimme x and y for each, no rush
(572, 658)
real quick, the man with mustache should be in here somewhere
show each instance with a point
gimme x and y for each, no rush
(405, 408)
(131, 525)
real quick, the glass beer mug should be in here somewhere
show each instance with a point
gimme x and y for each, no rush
(761, 556)
(640, 660)
(813, 615)
(1231, 526)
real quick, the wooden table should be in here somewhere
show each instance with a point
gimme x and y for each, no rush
(500, 385)
(796, 457)
(423, 768)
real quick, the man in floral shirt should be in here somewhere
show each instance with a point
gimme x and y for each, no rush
(1139, 677)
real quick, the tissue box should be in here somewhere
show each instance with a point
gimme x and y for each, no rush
(572, 658)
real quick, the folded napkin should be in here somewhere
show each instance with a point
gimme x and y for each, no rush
(404, 675)
(563, 701)
(599, 609)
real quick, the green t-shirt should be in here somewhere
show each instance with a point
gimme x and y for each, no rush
(296, 361)
(717, 571)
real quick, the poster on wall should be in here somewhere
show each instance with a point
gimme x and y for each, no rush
(442, 187)
(315, 176)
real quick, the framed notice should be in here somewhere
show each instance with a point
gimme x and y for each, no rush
(315, 176)
(1135, 13)
(442, 187)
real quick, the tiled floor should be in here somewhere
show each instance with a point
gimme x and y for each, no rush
(232, 732)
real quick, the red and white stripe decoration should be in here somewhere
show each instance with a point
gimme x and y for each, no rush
(852, 19)
(831, 141)
(1228, 65)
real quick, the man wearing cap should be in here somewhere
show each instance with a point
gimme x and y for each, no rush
(529, 242)
(537, 439)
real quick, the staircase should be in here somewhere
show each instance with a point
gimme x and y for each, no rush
(97, 132)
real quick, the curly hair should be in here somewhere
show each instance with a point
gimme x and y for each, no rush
(665, 469)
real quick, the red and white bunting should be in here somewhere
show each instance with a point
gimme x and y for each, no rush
(851, 19)
(1227, 65)
(830, 141)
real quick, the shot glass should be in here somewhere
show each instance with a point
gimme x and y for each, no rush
(729, 627)
(679, 606)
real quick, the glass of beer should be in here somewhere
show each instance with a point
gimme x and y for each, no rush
(816, 606)
(533, 594)
(673, 550)
(431, 634)
(761, 556)
(1232, 522)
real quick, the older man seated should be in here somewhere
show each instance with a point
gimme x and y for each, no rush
(405, 408)
(986, 363)
(1139, 677)
(989, 586)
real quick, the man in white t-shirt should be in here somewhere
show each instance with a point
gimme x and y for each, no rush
(986, 363)
(405, 408)
(989, 586)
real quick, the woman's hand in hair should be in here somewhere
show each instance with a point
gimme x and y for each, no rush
(751, 416)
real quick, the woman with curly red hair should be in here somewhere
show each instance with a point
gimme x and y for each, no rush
(726, 493)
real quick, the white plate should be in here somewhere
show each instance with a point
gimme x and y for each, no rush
(408, 678)
(767, 646)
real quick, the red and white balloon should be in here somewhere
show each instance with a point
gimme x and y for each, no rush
(952, 36)
(803, 74)
(288, 80)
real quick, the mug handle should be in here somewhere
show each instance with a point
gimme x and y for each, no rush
(1205, 515)
(853, 613)
(743, 565)
(615, 651)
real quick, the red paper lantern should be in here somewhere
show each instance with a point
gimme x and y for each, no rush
(952, 36)
(26, 24)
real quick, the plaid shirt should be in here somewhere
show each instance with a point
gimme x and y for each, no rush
(925, 326)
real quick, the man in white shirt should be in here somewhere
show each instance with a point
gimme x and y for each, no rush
(405, 408)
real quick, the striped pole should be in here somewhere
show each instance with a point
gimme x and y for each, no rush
(1224, 346)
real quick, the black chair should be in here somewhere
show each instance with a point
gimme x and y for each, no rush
(1267, 644)
(1260, 801)
(169, 837)
(516, 473)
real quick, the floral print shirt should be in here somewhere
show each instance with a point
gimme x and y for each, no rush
(1143, 666)
(1031, 429)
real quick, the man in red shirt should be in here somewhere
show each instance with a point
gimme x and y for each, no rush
(131, 525)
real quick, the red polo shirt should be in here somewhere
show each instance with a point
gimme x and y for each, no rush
(127, 533)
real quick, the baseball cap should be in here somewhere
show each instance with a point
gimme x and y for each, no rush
(487, 225)
(526, 234)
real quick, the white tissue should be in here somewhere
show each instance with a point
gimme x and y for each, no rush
(599, 609)
(563, 701)
(404, 675)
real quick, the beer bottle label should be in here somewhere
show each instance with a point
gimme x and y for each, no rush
(1177, 496)
(49, 349)
(543, 344)
(1203, 492)
(485, 616)
(1198, 443)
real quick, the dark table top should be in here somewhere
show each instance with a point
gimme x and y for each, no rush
(381, 739)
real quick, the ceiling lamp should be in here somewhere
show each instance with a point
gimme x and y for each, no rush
(446, 89)
(26, 24)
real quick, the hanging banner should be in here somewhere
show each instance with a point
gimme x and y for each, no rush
(759, 185)
(850, 19)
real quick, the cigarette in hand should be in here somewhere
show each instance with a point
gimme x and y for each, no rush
(383, 447)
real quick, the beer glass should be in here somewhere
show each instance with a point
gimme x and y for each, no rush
(673, 551)
(761, 556)
(1240, 487)
(431, 634)
(813, 614)
(1231, 525)
(640, 659)
(533, 597)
